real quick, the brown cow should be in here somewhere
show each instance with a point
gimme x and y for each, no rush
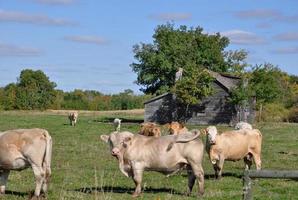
(23, 148)
(176, 128)
(150, 129)
(233, 145)
(165, 154)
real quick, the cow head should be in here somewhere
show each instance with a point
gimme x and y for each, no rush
(174, 127)
(211, 134)
(118, 142)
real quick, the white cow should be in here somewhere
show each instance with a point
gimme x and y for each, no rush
(23, 148)
(243, 125)
(166, 154)
(117, 124)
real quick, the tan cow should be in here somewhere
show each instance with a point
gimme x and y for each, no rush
(232, 146)
(166, 154)
(23, 148)
(73, 117)
(176, 128)
(150, 129)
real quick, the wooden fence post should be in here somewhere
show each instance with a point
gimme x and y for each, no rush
(247, 189)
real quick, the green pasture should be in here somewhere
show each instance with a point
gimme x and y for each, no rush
(82, 167)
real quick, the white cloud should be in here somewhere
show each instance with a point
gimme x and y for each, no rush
(286, 50)
(86, 39)
(14, 50)
(171, 16)
(55, 2)
(289, 36)
(243, 37)
(40, 19)
(266, 14)
(257, 14)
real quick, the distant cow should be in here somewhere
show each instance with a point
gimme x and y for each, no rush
(165, 154)
(150, 129)
(117, 124)
(23, 148)
(73, 117)
(243, 125)
(176, 128)
(233, 145)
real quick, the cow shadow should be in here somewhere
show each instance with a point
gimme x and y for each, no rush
(121, 190)
(225, 174)
(15, 193)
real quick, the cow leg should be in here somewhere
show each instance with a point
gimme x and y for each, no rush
(258, 161)
(39, 174)
(216, 170)
(248, 161)
(3, 180)
(220, 164)
(199, 174)
(191, 180)
(137, 178)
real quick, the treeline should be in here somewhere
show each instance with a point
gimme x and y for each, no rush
(34, 90)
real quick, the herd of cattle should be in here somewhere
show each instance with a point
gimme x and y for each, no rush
(180, 149)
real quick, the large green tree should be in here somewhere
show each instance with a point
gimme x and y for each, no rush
(34, 90)
(189, 48)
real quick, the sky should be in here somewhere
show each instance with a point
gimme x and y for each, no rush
(87, 44)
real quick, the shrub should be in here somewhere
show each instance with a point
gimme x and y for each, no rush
(293, 114)
(274, 112)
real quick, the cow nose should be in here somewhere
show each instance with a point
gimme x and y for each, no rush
(115, 151)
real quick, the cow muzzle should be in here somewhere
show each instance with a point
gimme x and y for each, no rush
(115, 152)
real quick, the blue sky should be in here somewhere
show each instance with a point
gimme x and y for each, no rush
(87, 44)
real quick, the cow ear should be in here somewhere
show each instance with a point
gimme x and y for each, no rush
(204, 131)
(104, 138)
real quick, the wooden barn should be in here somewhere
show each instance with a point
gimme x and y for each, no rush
(214, 109)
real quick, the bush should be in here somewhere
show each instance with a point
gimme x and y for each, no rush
(293, 114)
(274, 112)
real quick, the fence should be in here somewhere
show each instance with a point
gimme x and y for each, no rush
(249, 174)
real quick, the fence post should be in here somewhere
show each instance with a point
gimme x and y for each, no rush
(247, 190)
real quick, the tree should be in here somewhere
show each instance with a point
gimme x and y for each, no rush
(9, 99)
(34, 90)
(235, 61)
(172, 48)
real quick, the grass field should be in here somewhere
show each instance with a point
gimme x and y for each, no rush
(82, 167)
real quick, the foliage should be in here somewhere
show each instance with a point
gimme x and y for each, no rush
(266, 83)
(173, 48)
(195, 85)
(293, 114)
(235, 60)
(34, 90)
(240, 94)
(274, 112)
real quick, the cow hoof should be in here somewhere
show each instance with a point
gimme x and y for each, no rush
(135, 195)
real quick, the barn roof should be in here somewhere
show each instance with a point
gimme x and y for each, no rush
(226, 80)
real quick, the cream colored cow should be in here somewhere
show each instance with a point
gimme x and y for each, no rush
(176, 128)
(233, 145)
(73, 117)
(166, 154)
(150, 129)
(23, 148)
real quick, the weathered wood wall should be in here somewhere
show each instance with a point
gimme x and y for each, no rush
(214, 109)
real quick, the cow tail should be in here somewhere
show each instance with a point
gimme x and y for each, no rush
(47, 156)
